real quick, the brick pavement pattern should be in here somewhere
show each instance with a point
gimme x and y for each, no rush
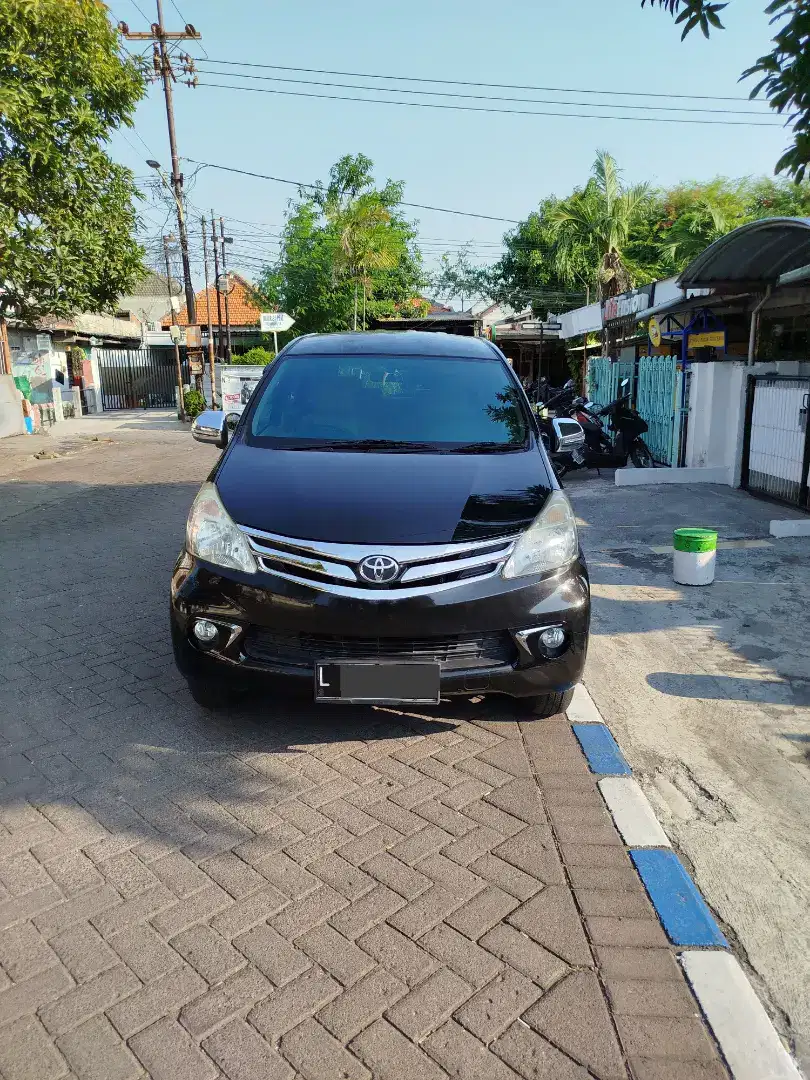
(285, 891)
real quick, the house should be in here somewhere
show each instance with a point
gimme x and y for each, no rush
(149, 298)
(241, 309)
(436, 317)
(718, 360)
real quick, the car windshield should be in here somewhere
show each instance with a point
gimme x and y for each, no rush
(398, 403)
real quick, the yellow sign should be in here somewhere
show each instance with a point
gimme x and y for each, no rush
(712, 338)
(654, 328)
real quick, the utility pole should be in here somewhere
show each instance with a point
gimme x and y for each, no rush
(175, 333)
(163, 69)
(220, 346)
(227, 290)
(208, 312)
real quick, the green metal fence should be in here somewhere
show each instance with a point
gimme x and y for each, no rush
(654, 383)
(656, 393)
(604, 378)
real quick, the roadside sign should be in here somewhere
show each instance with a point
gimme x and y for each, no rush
(238, 383)
(654, 328)
(275, 321)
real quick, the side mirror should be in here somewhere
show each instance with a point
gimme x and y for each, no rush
(569, 385)
(625, 382)
(210, 427)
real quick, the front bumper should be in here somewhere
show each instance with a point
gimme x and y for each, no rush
(243, 605)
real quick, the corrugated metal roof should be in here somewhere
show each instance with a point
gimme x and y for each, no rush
(753, 255)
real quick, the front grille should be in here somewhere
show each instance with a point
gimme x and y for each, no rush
(336, 567)
(459, 653)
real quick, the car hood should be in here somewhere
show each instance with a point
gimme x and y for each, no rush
(381, 498)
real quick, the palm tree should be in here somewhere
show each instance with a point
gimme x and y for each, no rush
(698, 214)
(366, 243)
(591, 229)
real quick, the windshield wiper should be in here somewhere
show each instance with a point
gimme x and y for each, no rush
(487, 448)
(385, 444)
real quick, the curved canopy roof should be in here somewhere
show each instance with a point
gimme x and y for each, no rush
(753, 256)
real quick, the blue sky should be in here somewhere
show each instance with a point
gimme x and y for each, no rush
(489, 163)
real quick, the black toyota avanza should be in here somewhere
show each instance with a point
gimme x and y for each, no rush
(383, 525)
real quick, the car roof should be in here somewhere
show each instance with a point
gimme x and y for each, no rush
(394, 343)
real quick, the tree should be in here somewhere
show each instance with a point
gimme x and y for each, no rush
(784, 72)
(339, 237)
(457, 276)
(592, 228)
(67, 212)
(256, 356)
(366, 243)
(697, 215)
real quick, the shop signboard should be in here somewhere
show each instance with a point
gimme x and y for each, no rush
(707, 339)
(625, 306)
(238, 383)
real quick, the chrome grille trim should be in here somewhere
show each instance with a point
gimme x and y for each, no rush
(333, 567)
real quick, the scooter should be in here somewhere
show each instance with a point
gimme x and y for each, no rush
(603, 451)
(562, 435)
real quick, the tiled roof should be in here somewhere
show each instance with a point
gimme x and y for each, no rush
(243, 311)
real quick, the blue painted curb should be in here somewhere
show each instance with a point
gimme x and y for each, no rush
(680, 907)
(601, 750)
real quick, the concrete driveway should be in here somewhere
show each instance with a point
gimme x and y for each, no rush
(708, 692)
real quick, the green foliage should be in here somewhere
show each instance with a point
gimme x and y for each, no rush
(458, 277)
(784, 72)
(345, 245)
(257, 355)
(563, 246)
(66, 209)
(193, 403)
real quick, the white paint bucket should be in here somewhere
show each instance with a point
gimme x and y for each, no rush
(694, 556)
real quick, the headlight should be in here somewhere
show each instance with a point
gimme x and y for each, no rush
(549, 543)
(212, 536)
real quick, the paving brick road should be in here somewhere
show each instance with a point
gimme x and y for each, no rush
(285, 891)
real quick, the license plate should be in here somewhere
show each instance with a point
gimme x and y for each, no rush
(373, 682)
(578, 456)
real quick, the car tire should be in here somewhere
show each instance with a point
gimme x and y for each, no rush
(545, 705)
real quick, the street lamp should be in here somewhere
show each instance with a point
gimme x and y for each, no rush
(181, 226)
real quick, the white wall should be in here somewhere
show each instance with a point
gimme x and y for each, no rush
(717, 410)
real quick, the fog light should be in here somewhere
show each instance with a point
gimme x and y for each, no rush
(205, 631)
(553, 638)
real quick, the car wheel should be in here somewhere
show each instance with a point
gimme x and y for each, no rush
(545, 705)
(640, 455)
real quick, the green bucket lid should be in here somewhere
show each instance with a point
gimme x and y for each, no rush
(694, 540)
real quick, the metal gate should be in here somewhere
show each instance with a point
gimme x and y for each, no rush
(137, 378)
(656, 400)
(776, 447)
(604, 377)
(656, 394)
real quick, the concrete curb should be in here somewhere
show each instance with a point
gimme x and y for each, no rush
(735, 1014)
(631, 811)
(790, 527)
(718, 474)
(748, 1040)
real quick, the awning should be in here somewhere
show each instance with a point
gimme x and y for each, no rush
(752, 257)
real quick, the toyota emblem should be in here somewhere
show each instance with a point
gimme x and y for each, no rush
(378, 569)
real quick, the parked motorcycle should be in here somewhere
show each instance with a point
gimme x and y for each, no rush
(627, 427)
(562, 435)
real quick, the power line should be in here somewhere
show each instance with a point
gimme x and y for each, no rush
(299, 184)
(480, 109)
(484, 97)
(490, 86)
